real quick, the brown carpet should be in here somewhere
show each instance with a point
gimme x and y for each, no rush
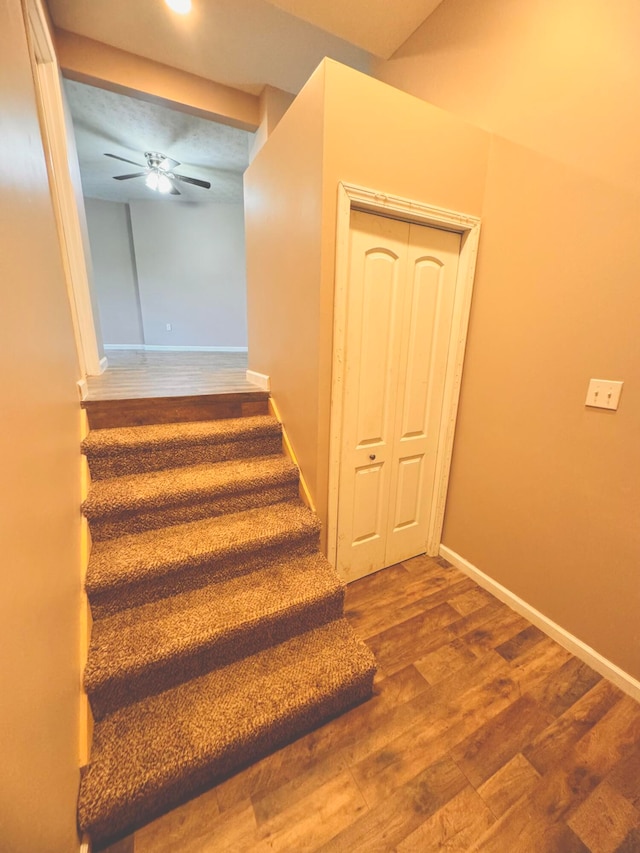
(111, 452)
(218, 633)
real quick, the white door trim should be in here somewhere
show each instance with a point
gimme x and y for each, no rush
(48, 89)
(361, 198)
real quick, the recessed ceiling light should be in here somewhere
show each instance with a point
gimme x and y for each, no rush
(182, 7)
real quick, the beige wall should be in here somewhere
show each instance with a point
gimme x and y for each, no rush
(544, 494)
(283, 226)
(559, 76)
(273, 105)
(99, 64)
(39, 515)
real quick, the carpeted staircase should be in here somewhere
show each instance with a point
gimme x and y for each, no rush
(218, 631)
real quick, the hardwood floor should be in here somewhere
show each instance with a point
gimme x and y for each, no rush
(134, 374)
(482, 735)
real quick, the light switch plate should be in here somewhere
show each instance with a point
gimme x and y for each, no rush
(603, 393)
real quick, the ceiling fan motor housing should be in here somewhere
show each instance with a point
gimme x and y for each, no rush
(155, 160)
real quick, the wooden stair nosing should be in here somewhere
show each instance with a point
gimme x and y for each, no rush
(108, 413)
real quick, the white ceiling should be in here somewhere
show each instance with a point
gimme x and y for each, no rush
(106, 122)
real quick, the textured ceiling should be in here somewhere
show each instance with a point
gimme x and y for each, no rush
(105, 122)
(242, 43)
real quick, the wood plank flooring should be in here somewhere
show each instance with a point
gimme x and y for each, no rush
(482, 735)
(134, 374)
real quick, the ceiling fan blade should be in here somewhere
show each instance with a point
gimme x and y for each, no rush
(195, 181)
(174, 191)
(124, 160)
(126, 177)
(169, 163)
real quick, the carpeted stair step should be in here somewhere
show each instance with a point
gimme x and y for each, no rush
(149, 649)
(132, 570)
(150, 756)
(137, 449)
(139, 502)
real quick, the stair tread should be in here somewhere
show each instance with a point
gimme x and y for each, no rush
(194, 732)
(139, 556)
(106, 442)
(128, 642)
(174, 486)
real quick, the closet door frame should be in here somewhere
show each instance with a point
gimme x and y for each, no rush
(351, 197)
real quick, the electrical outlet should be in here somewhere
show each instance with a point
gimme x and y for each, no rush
(603, 393)
(168, 327)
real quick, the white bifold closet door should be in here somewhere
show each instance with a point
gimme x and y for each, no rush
(399, 309)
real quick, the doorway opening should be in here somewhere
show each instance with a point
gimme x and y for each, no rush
(402, 302)
(168, 266)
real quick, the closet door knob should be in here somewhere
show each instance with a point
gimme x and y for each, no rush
(372, 456)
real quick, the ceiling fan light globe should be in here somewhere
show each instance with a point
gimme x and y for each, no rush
(164, 184)
(152, 180)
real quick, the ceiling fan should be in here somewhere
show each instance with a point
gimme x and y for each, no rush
(159, 173)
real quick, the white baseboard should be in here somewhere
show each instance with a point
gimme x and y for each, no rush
(83, 389)
(103, 364)
(158, 348)
(581, 650)
(259, 379)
